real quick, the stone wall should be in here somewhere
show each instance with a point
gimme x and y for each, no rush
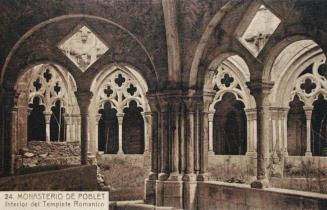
(40, 153)
(212, 196)
(125, 175)
(68, 178)
(231, 168)
(303, 173)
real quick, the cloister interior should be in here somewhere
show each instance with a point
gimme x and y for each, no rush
(211, 104)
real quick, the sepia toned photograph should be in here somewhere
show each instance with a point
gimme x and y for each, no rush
(163, 105)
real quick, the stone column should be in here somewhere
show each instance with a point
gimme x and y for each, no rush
(96, 136)
(308, 115)
(10, 130)
(204, 135)
(210, 117)
(164, 144)
(120, 118)
(47, 117)
(84, 99)
(274, 119)
(68, 124)
(147, 116)
(78, 128)
(285, 114)
(191, 106)
(175, 128)
(261, 90)
(153, 144)
(73, 127)
(251, 115)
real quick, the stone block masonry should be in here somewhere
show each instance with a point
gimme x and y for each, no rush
(39, 153)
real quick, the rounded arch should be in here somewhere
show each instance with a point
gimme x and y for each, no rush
(217, 18)
(65, 17)
(109, 77)
(122, 88)
(298, 62)
(53, 86)
(229, 73)
(54, 83)
(276, 51)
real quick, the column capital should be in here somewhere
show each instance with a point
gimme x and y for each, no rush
(191, 103)
(120, 117)
(211, 116)
(308, 112)
(251, 114)
(260, 90)
(153, 102)
(206, 100)
(84, 100)
(260, 86)
(47, 116)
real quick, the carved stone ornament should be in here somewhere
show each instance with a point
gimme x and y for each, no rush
(119, 89)
(310, 85)
(83, 48)
(258, 32)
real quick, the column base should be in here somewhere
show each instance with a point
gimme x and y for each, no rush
(286, 153)
(308, 154)
(150, 191)
(100, 152)
(159, 189)
(211, 153)
(173, 194)
(191, 177)
(175, 176)
(260, 184)
(190, 195)
(163, 176)
(152, 176)
(251, 154)
(202, 177)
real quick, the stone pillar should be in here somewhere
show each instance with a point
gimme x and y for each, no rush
(78, 130)
(120, 118)
(210, 117)
(153, 144)
(68, 125)
(251, 116)
(190, 178)
(204, 135)
(73, 127)
(10, 130)
(84, 99)
(285, 114)
(96, 137)
(147, 132)
(274, 120)
(175, 134)
(190, 140)
(47, 117)
(260, 90)
(308, 115)
(164, 143)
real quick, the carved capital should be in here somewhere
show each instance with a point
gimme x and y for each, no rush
(153, 102)
(120, 118)
(206, 101)
(47, 117)
(84, 100)
(260, 91)
(308, 112)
